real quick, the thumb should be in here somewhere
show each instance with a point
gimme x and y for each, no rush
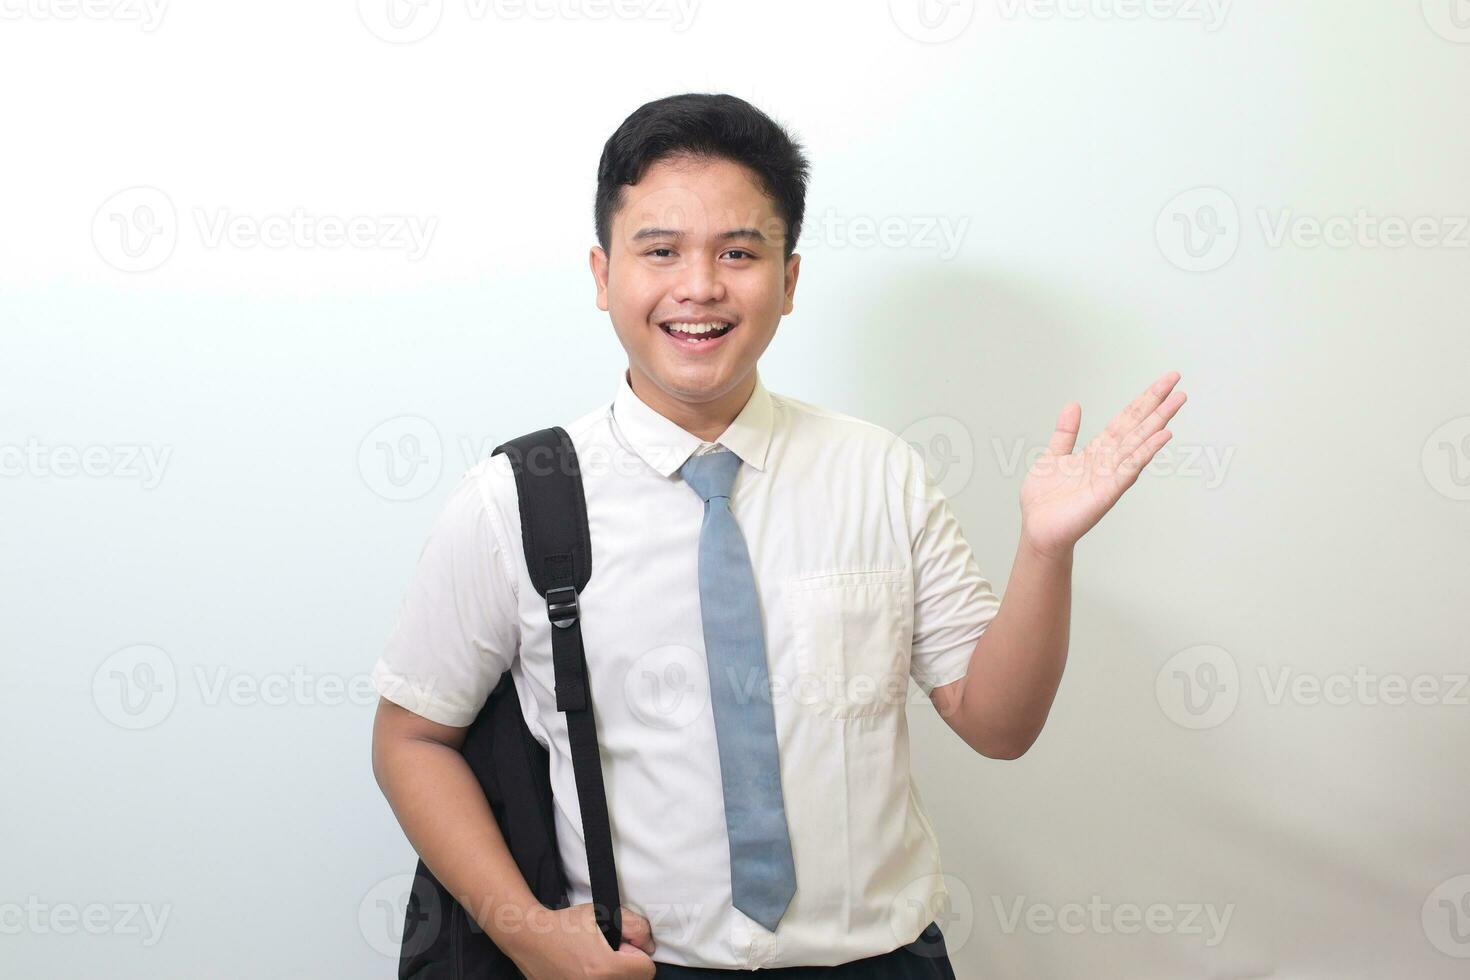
(637, 962)
(636, 930)
(1064, 436)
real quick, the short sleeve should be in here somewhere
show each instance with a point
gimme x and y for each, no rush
(953, 603)
(457, 630)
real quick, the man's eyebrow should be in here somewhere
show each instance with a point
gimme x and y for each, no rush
(747, 233)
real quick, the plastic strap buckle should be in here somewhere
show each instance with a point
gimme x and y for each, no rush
(561, 606)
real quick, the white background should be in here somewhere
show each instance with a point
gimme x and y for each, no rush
(1262, 715)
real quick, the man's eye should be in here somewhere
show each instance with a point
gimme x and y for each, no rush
(666, 252)
(740, 253)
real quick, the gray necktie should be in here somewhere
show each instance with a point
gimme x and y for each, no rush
(762, 873)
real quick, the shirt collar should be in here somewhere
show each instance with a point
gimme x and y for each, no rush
(665, 446)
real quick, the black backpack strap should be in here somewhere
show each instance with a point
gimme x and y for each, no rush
(559, 559)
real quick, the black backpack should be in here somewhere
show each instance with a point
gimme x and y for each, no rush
(441, 939)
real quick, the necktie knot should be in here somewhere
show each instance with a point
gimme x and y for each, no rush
(712, 474)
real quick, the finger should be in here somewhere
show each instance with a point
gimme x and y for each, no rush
(1128, 472)
(1155, 421)
(1138, 409)
(637, 931)
(635, 964)
(1065, 435)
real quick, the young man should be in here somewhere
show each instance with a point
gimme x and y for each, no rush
(768, 576)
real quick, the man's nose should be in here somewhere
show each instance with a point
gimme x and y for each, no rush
(699, 282)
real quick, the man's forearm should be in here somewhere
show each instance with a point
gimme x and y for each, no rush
(444, 814)
(1017, 663)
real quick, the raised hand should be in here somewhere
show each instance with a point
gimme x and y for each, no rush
(1066, 493)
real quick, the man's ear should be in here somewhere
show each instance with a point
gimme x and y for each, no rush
(597, 259)
(793, 269)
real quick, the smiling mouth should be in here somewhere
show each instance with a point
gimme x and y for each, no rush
(696, 333)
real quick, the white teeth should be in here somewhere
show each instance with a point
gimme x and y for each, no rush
(696, 328)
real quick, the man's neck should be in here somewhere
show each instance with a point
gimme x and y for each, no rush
(707, 420)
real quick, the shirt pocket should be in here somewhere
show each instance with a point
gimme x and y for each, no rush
(851, 633)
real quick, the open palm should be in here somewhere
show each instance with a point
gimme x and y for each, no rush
(1066, 493)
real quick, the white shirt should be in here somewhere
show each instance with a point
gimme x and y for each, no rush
(864, 580)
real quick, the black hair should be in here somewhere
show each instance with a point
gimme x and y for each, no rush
(710, 126)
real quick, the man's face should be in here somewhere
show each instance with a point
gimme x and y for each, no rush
(696, 242)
